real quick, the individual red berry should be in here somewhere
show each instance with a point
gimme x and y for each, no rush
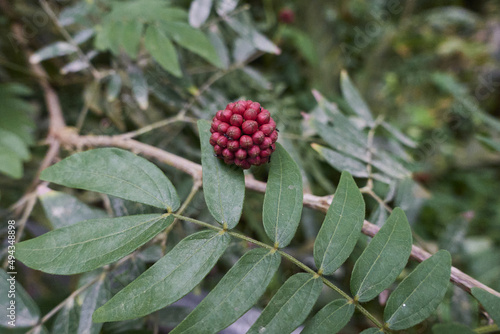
(273, 147)
(213, 138)
(249, 127)
(266, 143)
(218, 115)
(264, 160)
(226, 115)
(222, 128)
(265, 152)
(226, 153)
(246, 142)
(254, 151)
(286, 15)
(258, 137)
(222, 141)
(241, 154)
(274, 136)
(263, 117)
(217, 150)
(215, 124)
(233, 132)
(250, 114)
(242, 163)
(233, 145)
(230, 106)
(266, 128)
(229, 161)
(239, 108)
(254, 105)
(254, 161)
(236, 120)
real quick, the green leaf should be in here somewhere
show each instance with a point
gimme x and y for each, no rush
(495, 145)
(290, 305)
(223, 7)
(10, 165)
(451, 328)
(115, 172)
(383, 259)
(10, 141)
(282, 207)
(243, 25)
(199, 12)
(94, 297)
(130, 38)
(341, 161)
(113, 87)
(52, 50)
(162, 50)
(372, 330)
(140, 88)
(172, 277)
(420, 293)
(89, 244)
(401, 137)
(67, 319)
(235, 294)
(223, 185)
(341, 228)
(192, 39)
(331, 318)
(26, 312)
(354, 99)
(491, 303)
(64, 210)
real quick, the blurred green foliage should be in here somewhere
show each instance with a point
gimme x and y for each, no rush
(428, 71)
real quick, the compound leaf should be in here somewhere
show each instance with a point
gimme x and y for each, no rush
(282, 207)
(89, 244)
(341, 228)
(115, 172)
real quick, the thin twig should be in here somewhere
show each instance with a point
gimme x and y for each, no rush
(64, 302)
(46, 7)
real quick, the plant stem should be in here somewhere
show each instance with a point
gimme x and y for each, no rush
(291, 259)
(196, 186)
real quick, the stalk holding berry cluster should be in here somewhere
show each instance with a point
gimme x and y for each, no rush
(243, 134)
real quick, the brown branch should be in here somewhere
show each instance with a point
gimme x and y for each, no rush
(68, 137)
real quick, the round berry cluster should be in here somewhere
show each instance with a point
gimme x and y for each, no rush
(243, 134)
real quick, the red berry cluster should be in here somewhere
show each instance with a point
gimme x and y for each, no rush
(243, 134)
